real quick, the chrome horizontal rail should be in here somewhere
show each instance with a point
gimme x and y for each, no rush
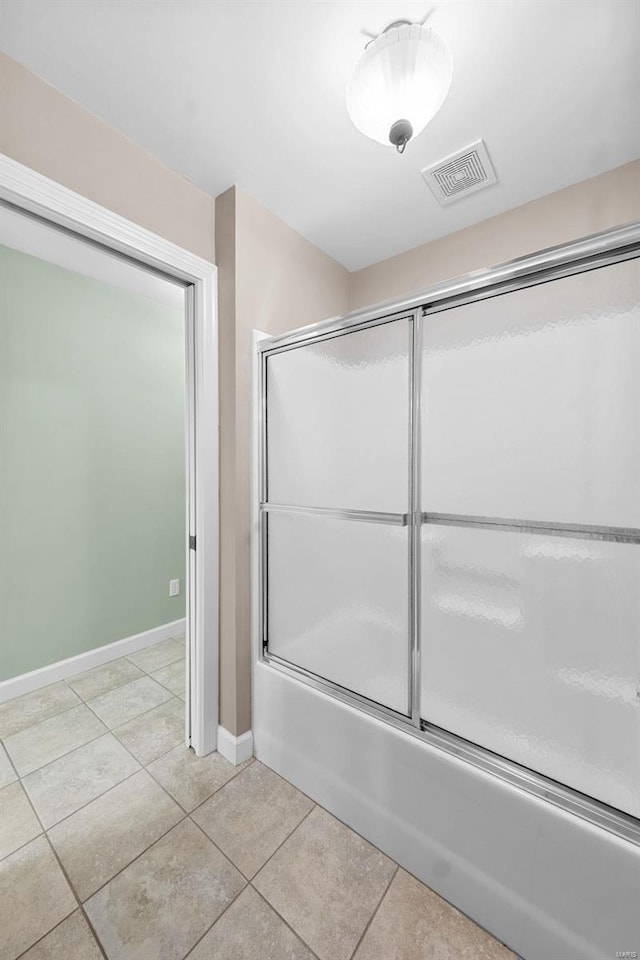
(552, 263)
(574, 530)
(365, 516)
(588, 808)
(617, 822)
(345, 694)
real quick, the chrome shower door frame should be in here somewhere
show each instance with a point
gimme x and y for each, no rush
(600, 250)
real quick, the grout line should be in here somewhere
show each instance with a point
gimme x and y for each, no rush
(373, 915)
(137, 715)
(116, 686)
(335, 817)
(187, 816)
(65, 681)
(11, 764)
(361, 835)
(78, 900)
(228, 906)
(397, 865)
(141, 766)
(42, 719)
(65, 875)
(221, 851)
(125, 656)
(104, 793)
(40, 939)
(35, 813)
(22, 846)
(160, 836)
(89, 802)
(93, 799)
(288, 836)
(66, 754)
(144, 713)
(164, 689)
(151, 676)
(157, 840)
(248, 883)
(288, 782)
(286, 923)
(106, 733)
(44, 832)
(189, 813)
(148, 673)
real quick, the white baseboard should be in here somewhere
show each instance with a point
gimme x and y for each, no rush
(235, 749)
(26, 682)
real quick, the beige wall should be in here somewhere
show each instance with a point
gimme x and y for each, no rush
(52, 134)
(273, 280)
(606, 201)
(226, 254)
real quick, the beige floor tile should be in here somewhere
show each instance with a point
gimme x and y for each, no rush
(65, 785)
(93, 683)
(18, 822)
(159, 655)
(163, 902)
(98, 841)
(173, 676)
(23, 712)
(155, 732)
(70, 940)
(52, 738)
(251, 816)
(326, 881)
(414, 923)
(7, 773)
(190, 779)
(250, 930)
(128, 701)
(34, 897)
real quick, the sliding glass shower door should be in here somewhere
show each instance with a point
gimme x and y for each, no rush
(531, 504)
(337, 488)
(451, 523)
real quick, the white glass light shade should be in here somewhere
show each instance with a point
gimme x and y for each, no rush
(404, 74)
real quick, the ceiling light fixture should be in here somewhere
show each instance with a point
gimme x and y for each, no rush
(399, 83)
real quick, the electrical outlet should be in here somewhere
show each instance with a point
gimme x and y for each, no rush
(174, 588)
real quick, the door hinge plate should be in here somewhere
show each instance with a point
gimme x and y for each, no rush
(192, 541)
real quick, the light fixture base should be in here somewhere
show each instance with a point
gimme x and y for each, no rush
(397, 23)
(400, 134)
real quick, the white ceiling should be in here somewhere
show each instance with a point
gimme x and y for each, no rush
(252, 93)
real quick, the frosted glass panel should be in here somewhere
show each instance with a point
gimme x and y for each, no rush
(337, 421)
(531, 647)
(532, 403)
(338, 601)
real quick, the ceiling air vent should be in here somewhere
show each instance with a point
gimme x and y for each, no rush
(460, 174)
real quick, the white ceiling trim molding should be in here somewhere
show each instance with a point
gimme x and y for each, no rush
(30, 191)
(58, 246)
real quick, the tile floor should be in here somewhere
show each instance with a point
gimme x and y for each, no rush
(116, 841)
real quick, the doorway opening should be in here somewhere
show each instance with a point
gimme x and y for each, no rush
(144, 437)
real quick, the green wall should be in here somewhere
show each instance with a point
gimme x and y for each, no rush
(92, 485)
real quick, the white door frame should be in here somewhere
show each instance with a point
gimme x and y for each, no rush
(30, 191)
